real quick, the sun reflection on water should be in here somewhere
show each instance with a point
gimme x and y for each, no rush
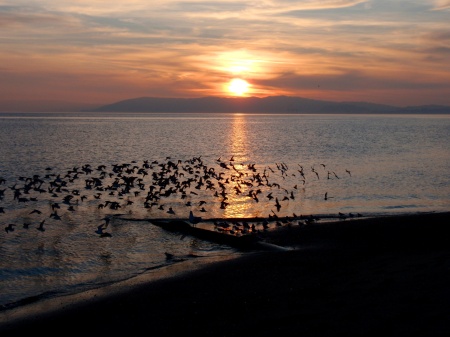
(239, 200)
(238, 137)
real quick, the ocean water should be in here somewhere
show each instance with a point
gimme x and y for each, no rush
(366, 165)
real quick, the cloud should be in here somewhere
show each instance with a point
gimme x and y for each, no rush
(262, 10)
(192, 47)
(438, 35)
(23, 19)
(441, 4)
(311, 4)
(350, 81)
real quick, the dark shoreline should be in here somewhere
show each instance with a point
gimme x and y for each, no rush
(387, 275)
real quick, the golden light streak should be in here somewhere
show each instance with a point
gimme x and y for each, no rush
(240, 202)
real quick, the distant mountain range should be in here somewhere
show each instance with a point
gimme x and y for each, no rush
(271, 104)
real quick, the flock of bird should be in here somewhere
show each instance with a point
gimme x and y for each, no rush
(152, 185)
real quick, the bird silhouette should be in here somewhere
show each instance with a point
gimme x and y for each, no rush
(277, 204)
(55, 215)
(194, 219)
(41, 226)
(101, 230)
(161, 179)
(9, 228)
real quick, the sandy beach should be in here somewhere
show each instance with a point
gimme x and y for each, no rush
(386, 276)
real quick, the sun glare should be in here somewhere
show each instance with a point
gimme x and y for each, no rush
(238, 86)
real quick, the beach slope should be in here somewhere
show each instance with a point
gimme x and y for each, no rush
(387, 276)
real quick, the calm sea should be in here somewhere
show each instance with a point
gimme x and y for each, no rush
(366, 164)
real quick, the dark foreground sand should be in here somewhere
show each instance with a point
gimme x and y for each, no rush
(388, 276)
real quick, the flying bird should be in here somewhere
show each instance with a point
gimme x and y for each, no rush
(41, 226)
(101, 230)
(277, 204)
(9, 228)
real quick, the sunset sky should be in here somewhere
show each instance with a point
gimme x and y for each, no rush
(96, 51)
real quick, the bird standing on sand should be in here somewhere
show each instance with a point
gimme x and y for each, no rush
(194, 219)
(169, 256)
(342, 216)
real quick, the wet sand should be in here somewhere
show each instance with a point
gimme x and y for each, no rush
(388, 276)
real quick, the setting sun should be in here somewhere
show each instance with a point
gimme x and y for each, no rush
(238, 86)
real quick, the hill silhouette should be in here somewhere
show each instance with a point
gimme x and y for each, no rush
(270, 104)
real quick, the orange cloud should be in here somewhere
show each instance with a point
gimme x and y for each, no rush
(98, 51)
(441, 4)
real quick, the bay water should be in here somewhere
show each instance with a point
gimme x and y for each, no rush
(365, 165)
